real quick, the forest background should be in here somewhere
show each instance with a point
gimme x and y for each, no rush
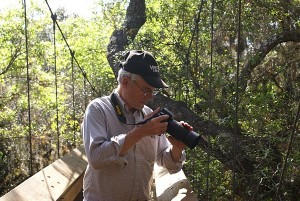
(233, 68)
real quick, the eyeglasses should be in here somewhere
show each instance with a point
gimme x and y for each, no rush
(147, 92)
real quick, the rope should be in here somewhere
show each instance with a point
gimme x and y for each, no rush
(236, 100)
(288, 152)
(28, 90)
(64, 38)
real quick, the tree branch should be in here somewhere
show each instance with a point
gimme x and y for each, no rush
(12, 60)
(265, 48)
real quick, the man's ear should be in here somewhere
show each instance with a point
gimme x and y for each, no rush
(125, 81)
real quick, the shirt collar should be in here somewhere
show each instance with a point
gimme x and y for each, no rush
(122, 103)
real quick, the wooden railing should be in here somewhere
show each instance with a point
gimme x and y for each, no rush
(173, 187)
(62, 180)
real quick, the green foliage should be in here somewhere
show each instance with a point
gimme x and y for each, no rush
(199, 69)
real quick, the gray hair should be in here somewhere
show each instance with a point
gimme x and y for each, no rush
(122, 73)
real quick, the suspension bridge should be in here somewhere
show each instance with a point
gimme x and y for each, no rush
(62, 179)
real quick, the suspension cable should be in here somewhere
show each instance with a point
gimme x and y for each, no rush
(73, 95)
(194, 31)
(196, 25)
(54, 17)
(28, 90)
(64, 38)
(196, 88)
(85, 93)
(210, 94)
(288, 153)
(236, 100)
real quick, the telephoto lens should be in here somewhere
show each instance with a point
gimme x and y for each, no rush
(175, 129)
(189, 138)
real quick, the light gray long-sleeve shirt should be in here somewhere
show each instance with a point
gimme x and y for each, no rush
(110, 177)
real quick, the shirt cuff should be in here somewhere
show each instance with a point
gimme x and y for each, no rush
(175, 167)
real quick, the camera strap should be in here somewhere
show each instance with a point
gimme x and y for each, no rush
(119, 112)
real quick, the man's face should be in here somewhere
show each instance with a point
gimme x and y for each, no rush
(138, 93)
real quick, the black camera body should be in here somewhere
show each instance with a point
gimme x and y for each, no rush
(175, 129)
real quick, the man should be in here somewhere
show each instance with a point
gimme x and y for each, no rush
(121, 151)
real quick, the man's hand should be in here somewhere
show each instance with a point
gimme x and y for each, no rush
(178, 146)
(155, 126)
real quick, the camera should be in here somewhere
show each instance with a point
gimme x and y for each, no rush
(175, 129)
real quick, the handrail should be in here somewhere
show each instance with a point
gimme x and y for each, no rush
(173, 187)
(62, 180)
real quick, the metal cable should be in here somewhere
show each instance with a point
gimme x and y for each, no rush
(64, 38)
(54, 17)
(193, 34)
(288, 153)
(28, 89)
(73, 96)
(236, 100)
(210, 94)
